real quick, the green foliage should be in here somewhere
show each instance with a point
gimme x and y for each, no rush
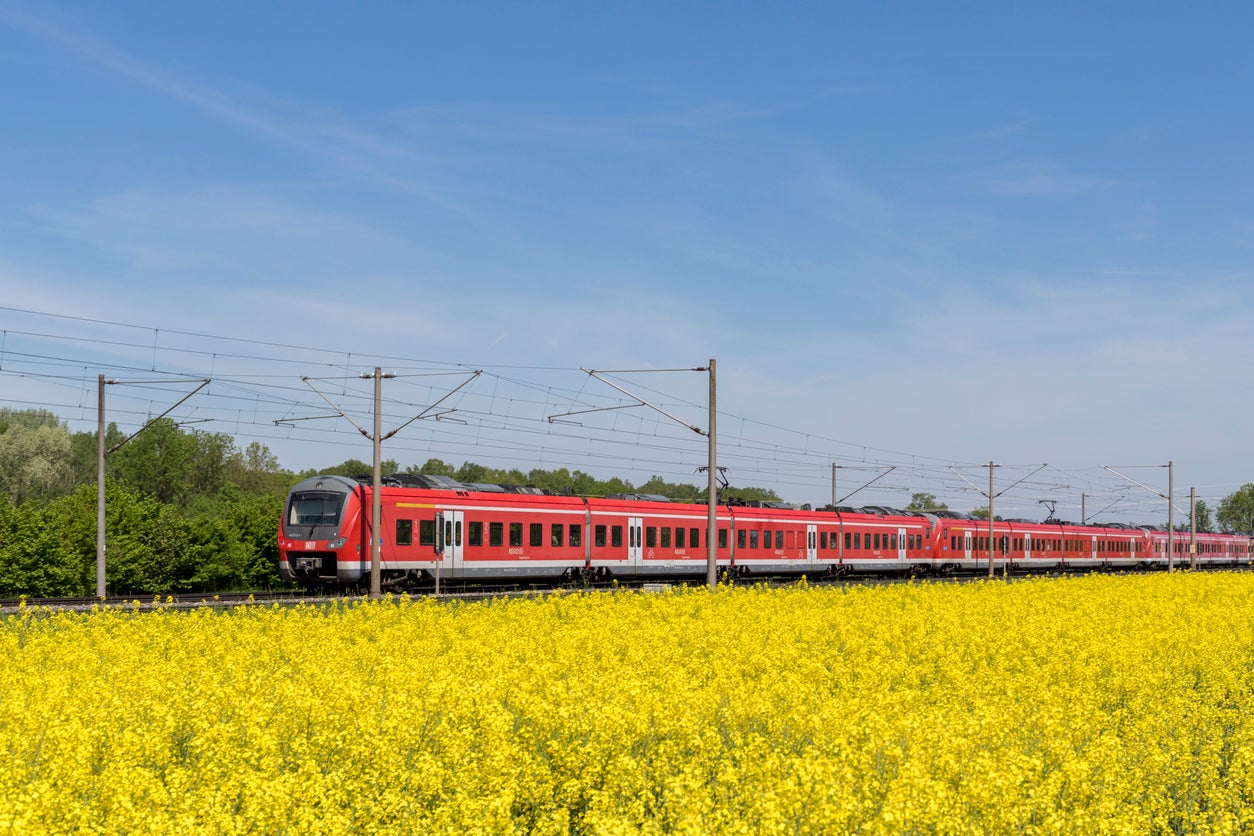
(434, 467)
(1236, 511)
(1202, 517)
(34, 456)
(36, 557)
(760, 494)
(927, 502)
(353, 468)
(470, 472)
(172, 465)
(49, 550)
(256, 471)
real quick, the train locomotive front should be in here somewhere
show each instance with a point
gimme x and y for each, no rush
(320, 523)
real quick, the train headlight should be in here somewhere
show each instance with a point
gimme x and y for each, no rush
(337, 543)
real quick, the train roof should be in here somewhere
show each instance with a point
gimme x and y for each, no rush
(639, 497)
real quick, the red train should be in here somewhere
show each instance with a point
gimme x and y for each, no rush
(488, 533)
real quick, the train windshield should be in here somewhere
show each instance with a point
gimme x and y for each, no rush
(315, 508)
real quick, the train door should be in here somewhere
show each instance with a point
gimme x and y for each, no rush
(635, 540)
(812, 543)
(449, 547)
(966, 545)
(901, 545)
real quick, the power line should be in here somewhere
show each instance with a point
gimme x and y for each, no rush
(251, 389)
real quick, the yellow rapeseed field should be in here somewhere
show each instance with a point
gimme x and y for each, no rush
(1089, 705)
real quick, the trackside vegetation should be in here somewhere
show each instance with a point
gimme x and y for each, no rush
(1088, 705)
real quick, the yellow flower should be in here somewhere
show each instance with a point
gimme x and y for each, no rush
(1100, 704)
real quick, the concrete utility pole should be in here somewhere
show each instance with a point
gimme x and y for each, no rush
(376, 513)
(991, 497)
(1171, 492)
(101, 452)
(100, 491)
(1192, 528)
(1171, 502)
(711, 545)
(378, 437)
(711, 560)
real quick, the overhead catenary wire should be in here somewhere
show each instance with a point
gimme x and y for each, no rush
(256, 382)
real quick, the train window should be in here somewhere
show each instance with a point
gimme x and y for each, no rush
(848, 540)
(515, 534)
(474, 534)
(722, 538)
(680, 538)
(315, 508)
(536, 533)
(740, 539)
(496, 534)
(877, 541)
(426, 532)
(894, 540)
(822, 539)
(694, 538)
(599, 536)
(857, 540)
(404, 532)
(650, 537)
(779, 539)
(753, 539)
(557, 535)
(666, 537)
(576, 535)
(616, 536)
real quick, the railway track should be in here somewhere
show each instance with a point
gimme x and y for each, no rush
(224, 601)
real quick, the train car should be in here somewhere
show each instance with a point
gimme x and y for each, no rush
(1207, 549)
(432, 527)
(436, 528)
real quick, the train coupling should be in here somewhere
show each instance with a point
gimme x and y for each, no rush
(308, 565)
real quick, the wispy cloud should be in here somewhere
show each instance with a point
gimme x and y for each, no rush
(315, 132)
(1008, 129)
(1041, 178)
(149, 76)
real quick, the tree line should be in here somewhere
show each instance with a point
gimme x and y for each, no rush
(185, 510)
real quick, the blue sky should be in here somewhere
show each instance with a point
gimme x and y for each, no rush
(914, 235)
